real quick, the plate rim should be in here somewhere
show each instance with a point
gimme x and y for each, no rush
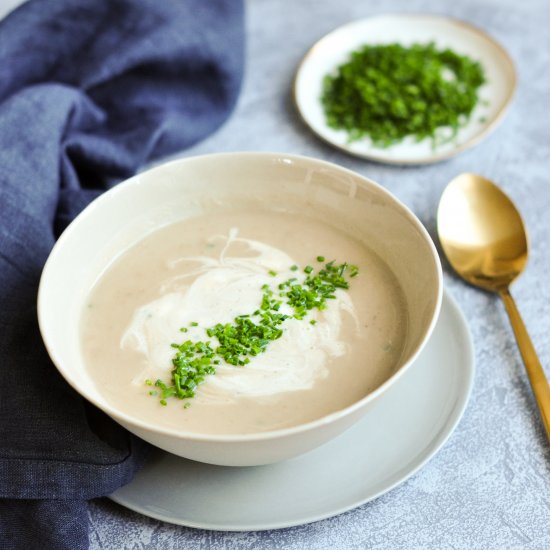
(432, 159)
(428, 452)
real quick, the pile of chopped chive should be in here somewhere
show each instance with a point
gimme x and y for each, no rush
(249, 335)
(388, 92)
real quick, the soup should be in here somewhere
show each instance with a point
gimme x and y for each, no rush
(181, 280)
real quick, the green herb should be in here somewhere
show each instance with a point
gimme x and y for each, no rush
(248, 335)
(389, 92)
(194, 324)
(272, 273)
(320, 258)
(294, 268)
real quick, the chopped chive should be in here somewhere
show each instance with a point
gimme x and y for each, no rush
(194, 324)
(425, 89)
(293, 268)
(186, 405)
(248, 335)
(272, 273)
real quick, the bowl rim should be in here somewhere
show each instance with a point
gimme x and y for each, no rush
(127, 419)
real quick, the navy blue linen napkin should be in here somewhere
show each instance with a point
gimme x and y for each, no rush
(89, 91)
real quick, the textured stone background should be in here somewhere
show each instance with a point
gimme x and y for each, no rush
(489, 487)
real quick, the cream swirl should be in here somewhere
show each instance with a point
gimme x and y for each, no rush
(218, 290)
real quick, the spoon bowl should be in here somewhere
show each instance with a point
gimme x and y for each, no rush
(485, 241)
(481, 232)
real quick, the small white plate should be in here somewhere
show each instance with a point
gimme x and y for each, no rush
(408, 426)
(334, 49)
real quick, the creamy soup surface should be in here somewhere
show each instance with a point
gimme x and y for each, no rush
(209, 270)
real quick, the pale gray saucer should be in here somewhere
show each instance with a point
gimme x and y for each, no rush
(408, 426)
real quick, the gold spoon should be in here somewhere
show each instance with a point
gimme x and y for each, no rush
(485, 241)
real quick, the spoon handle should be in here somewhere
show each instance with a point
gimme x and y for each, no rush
(539, 383)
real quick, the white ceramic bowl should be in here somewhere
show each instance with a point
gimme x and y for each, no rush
(189, 187)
